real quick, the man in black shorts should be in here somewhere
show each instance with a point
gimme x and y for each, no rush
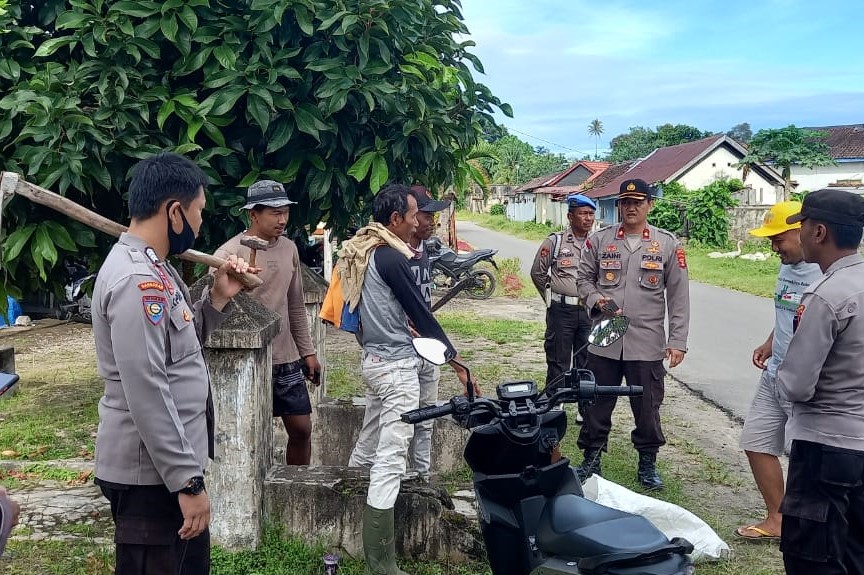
(282, 292)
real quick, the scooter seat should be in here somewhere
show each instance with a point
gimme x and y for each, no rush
(572, 526)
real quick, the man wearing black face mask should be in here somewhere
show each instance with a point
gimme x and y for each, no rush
(156, 417)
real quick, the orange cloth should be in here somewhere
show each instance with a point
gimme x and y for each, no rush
(331, 308)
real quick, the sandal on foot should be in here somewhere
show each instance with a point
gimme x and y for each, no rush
(761, 534)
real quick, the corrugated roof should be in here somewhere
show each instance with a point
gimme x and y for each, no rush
(845, 142)
(658, 166)
(552, 179)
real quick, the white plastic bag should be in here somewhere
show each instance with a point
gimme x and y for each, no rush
(671, 519)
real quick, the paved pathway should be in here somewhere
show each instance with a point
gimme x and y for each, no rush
(725, 327)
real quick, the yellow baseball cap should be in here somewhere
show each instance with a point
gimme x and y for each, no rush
(774, 221)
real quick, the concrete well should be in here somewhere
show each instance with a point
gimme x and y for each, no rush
(325, 505)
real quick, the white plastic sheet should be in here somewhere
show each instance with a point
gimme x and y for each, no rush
(671, 519)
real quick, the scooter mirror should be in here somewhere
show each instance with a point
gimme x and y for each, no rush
(608, 331)
(430, 349)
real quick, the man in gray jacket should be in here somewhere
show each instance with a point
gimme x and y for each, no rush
(156, 418)
(823, 376)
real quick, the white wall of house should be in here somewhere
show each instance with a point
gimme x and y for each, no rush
(521, 207)
(821, 177)
(720, 163)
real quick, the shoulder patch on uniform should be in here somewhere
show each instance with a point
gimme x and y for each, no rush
(544, 251)
(144, 286)
(682, 258)
(154, 307)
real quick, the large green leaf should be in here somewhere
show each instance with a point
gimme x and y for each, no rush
(259, 111)
(280, 133)
(306, 121)
(380, 173)
(15, 242)
(48, 47)
(60, 236)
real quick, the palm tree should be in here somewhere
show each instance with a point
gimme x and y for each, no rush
(595, 128)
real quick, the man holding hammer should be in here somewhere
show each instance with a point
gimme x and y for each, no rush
(264, 246)
(156, 415)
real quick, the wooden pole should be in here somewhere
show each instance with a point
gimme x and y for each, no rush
(78, 212)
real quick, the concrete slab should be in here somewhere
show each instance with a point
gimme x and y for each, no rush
(325, 505)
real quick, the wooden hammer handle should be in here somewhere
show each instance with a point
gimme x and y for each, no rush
(11, 183)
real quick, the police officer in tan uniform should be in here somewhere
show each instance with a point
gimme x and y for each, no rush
(554, 276)
(823, 376)
(156, 418)
(632, 268)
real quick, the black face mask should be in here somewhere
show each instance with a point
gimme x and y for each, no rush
(179, 243)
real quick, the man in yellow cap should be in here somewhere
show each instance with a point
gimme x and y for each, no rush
(764, 436)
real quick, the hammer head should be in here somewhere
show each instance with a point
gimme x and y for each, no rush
(254, 243)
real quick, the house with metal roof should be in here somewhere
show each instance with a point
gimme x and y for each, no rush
(846, 146)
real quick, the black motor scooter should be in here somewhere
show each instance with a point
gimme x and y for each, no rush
(449, 268)
(533, 515)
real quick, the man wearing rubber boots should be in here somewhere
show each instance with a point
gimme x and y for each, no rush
(632, 268)
(554, 276)
(389, 301)
(823, 376)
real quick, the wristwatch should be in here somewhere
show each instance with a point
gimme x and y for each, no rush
(194, 486)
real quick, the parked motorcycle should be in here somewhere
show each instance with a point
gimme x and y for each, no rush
(77, 304)
(533, 514)
(448, 268)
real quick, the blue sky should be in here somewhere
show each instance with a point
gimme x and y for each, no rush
(708, 63)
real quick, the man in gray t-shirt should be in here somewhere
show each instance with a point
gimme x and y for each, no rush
(764, 436)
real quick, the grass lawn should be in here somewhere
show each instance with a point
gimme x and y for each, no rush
(54, 414)
(757, 278)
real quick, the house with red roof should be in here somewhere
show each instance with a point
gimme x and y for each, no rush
(540, 199)
(693, 165)
(846, 146)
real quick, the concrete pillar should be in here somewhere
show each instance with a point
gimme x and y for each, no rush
(239, 359)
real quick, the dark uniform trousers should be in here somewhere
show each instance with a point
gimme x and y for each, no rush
(647, 435)
(567, 329)
(823, 511)
(147, 519)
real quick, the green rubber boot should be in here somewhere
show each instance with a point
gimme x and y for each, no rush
(379, 542)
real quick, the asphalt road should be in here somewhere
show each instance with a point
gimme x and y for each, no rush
(725, 327)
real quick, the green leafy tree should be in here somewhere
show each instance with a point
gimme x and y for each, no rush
(741, 133)
(595, 128)
(703, 212)
(332, 98)
(783, 148)
(640, 141)
(515, 162)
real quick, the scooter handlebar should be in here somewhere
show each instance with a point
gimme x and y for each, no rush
(424, 413)
(618, 390)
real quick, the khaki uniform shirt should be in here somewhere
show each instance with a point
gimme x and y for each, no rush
(563, 268)
(153, 423)
(823, 371)
(640, 281)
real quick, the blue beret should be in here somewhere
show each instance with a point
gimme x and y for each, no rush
(579, 200)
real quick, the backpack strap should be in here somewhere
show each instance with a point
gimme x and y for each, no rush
(557, 238)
